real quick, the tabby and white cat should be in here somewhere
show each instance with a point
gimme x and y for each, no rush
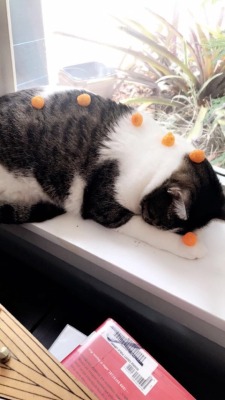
(92, 160)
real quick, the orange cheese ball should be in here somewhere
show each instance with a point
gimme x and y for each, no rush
(84, 99)
(168, 140)
(189, 239)
(137, 119)
(197, 156)
(38, 102)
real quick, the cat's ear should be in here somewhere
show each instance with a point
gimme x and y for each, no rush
(180, 201)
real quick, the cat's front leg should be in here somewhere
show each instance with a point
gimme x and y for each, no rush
(137, 228)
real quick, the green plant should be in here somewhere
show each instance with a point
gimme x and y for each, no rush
(190, 65)
(185, 75)
(189, 71)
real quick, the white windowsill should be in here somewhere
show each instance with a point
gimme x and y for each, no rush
(190, 292)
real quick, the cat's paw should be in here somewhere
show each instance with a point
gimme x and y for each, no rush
(192, 252)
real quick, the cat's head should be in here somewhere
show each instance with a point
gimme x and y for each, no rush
(189, 199)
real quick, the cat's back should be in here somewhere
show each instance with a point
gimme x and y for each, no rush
(59, 109)
(60, 127)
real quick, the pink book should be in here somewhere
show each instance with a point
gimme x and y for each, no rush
(115, 367)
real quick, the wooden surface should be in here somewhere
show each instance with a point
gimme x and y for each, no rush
(31, 370)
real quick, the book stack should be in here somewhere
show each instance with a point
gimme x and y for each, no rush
(113, 366)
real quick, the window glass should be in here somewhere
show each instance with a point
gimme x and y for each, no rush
(28, 43)
(167, 57)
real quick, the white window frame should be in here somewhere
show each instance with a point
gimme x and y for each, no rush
(7, 62)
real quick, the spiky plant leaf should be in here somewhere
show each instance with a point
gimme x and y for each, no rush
(152, 100)
(159, 49)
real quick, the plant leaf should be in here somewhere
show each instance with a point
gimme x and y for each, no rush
(163, 52)
(152, 100)
(172, 28)
(208, 57)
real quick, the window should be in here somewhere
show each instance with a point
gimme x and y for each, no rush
(168, 58)
(29, 46)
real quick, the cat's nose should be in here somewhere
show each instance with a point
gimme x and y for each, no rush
(146, 213)
(144, 209)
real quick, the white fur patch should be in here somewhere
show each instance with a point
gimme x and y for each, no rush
(74, 200)
(144, 162)
(17, 188)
